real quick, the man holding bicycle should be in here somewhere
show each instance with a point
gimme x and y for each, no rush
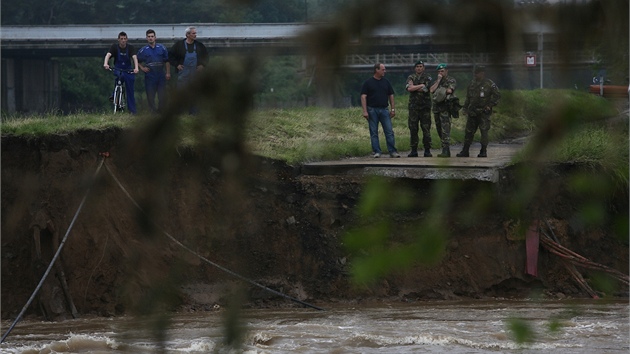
(157, 70)
(124, 54)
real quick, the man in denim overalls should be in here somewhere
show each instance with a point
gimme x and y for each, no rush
(188, 56)
(124, 54)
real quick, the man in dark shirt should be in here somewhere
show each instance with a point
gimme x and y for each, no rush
(188, 56)
(375, 94)
(124, 55)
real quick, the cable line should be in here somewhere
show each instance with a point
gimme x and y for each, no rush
(56, 256)
(205, 259)
(54, 259)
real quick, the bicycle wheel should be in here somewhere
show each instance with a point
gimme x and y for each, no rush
(119, 99)
(123, 98)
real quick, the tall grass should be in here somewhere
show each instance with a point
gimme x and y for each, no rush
(308, 134)
(604, 148)
(62, 124)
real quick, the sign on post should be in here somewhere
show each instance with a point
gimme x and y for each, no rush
(530, 60)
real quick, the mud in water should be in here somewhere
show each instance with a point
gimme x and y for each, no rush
(580, 326)
(257, 217)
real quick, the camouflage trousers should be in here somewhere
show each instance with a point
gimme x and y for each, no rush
(479, 121)
(443, 126)
(419, 118)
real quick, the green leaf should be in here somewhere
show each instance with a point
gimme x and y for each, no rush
(521, 330)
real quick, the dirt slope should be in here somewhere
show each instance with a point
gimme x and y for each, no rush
(257, 217)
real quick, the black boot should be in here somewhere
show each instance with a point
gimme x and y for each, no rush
(464, 152)
(427, 152)
(446, 152)
(483, 152)
(413, 153)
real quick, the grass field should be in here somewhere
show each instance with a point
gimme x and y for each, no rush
(574, 123)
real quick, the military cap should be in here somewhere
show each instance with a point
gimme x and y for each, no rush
(441, 66)
(419, 62)
(480, 69)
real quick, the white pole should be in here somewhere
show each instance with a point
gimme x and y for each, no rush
(540, 50)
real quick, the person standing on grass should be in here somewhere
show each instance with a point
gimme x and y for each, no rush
(443, 90)
(188, 56)
(157, 70)
(418, 85)
(375, 94)
(124, 55)
(481, 96)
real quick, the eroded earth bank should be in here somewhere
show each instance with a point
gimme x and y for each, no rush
(259, 218)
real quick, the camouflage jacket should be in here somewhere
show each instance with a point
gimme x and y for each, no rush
(481, 94)
(448, 82)
(421, 98)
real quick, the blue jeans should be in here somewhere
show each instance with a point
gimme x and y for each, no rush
(376, 115)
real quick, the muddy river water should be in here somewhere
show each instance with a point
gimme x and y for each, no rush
(579, 326)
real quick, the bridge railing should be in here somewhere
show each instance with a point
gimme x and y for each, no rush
(463, 59)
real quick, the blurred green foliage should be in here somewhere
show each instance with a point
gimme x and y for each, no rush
(562, 125)
(521, 330)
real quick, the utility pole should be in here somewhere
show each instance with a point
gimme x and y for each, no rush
(540, 51)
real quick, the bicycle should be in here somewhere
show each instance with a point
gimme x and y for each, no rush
(118, 98)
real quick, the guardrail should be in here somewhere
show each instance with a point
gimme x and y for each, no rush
(462, 59)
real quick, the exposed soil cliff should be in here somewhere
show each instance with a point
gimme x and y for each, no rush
(258, 217)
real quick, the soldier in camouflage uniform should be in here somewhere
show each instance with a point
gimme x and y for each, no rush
(442, 107)
(419, 109)
(482, 95)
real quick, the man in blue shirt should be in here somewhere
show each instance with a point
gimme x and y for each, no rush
(157, 70)
(376, 93)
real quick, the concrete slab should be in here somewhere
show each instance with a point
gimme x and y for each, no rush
(483, 169)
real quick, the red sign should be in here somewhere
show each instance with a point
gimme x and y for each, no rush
(530, 60)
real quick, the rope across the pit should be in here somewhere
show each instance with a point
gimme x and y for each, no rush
(174, 240)
(205, 259)
(54, 259)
